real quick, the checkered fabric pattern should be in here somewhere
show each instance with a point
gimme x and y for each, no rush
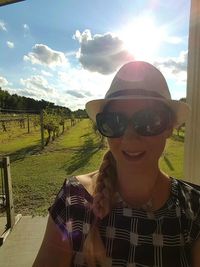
(132, 237)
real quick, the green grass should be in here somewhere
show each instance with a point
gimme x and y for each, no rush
(36, 180)
(15, 145)
(34, 190)
(82, 134)
(17, 140)
(18, 143)
(38, 175)
(173, 157)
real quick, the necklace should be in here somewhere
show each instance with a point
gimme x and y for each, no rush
(148, 206)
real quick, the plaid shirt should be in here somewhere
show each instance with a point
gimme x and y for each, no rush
(132, 237)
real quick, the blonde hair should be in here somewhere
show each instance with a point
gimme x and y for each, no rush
(104, 199)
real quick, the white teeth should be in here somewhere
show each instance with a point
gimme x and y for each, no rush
(133, 153)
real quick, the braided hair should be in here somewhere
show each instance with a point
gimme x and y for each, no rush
(104, 197)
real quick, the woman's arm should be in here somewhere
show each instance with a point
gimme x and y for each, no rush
(54, 251)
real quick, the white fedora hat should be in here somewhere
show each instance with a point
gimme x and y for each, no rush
(139, 80)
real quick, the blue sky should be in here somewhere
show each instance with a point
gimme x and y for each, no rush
(67, 52)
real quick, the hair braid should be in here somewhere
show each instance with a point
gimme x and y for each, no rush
(104, 199)
(104, 192)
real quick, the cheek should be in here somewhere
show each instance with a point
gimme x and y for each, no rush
(153, 145)
(114, 144)
(157, 145)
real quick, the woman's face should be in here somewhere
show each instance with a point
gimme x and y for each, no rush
(131, 149)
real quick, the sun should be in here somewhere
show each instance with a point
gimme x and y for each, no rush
(142, 38)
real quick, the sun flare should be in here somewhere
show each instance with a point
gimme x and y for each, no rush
(142, 38)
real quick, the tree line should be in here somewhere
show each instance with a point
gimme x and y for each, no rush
(15, 102)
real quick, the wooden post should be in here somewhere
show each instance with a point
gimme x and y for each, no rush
(42, 128)
(192, 138)
(12, 220)
(8, 191)
(28, 123)
(63, 126)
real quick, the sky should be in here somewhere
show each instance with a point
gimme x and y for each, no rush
(68, 51)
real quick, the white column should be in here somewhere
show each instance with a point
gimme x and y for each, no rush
(192, 139)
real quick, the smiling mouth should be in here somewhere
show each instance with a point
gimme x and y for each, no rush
(133, 156)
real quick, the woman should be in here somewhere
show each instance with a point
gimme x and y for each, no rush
(128, 213)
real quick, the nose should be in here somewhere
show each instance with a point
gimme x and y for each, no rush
(130, 133)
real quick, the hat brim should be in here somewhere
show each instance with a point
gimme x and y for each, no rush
(180, 108)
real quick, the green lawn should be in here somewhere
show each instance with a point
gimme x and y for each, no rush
(173, 157)
(38, 175)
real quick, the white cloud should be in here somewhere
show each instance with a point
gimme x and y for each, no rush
(10, 44)
(101, 53)
(44, 55)
(36, 87)
(175, 67)
(75, 94)
(73, 87)
(79, 86)
(2, 26)
(46, 73)
(173, 39)
(85, 82)
(26, 27)
(175, 71)
(3, 82)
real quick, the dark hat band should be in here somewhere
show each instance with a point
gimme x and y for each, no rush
(136, 92)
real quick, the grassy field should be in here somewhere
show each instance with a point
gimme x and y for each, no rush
(38, 175)
(173, 157)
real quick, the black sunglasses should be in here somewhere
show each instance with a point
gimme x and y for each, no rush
(146, 122)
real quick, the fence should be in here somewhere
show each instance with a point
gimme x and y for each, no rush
(24, 118)
(6, 196)
(41, 118)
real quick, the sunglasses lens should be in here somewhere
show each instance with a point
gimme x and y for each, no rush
(150, 122)
(111, 124)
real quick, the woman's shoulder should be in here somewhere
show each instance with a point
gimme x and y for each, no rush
(189, 196)
(73, 202)
(88, 181)
(190, 189)
(78, 188)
